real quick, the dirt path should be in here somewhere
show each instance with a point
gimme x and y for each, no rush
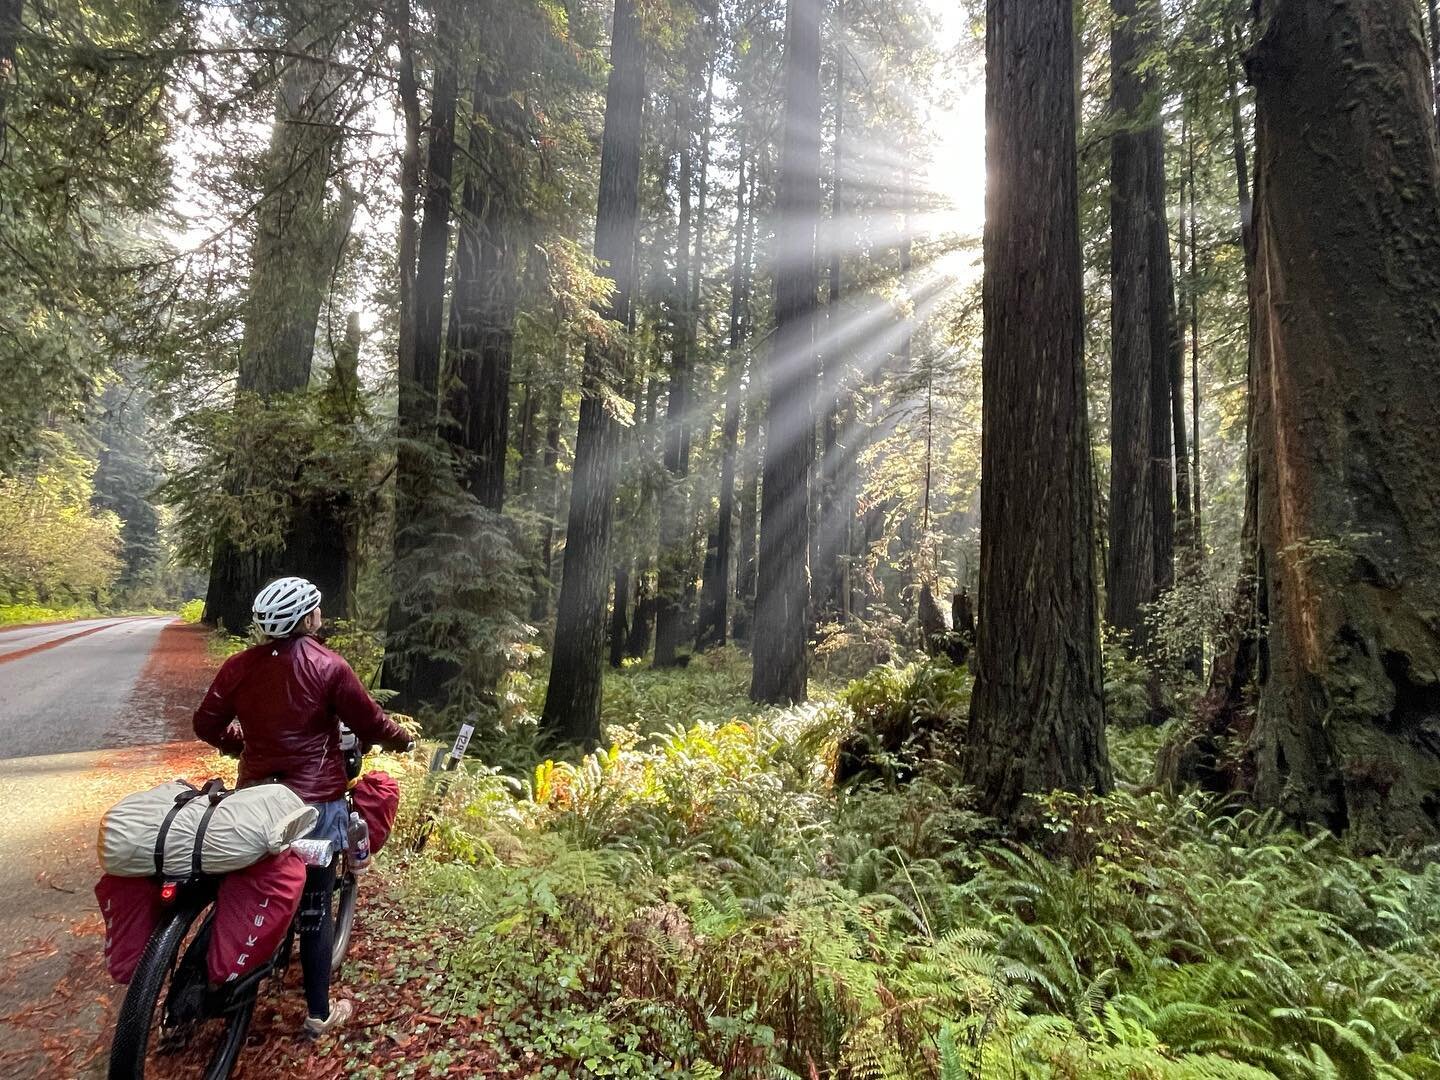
(121, 695)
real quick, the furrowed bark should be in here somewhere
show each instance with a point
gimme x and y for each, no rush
(674, 558)
(1037, 718)
(783, 584)
(715, 599)
(572, 699)
(1343, 653)
(416, 677)
(1130, 577)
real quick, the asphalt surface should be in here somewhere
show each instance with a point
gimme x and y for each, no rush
(63, 688)
(82, 723)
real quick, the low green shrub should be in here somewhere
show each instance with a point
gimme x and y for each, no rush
(700, 901)
(24, 614)
(903, 719)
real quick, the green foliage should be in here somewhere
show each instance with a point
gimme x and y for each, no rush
(904, 718)
(361, 647)
(257, 459)
(192, 611)
(22, 614)
(715, 689)
(851, 651)
(700, 902)
(464, 592)
(55, 548)
(81, 163)
(1127, 684)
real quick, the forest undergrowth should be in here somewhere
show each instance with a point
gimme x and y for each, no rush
(700, 900)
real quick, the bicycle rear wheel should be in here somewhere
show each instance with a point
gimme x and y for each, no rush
(347, 889)
(163, 1017)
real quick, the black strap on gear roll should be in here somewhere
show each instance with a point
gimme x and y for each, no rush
(195, 859)
(215, 789)
(181, 801)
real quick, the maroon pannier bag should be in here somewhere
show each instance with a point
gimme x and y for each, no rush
(131, 909)
(252, 913)
(377, 801)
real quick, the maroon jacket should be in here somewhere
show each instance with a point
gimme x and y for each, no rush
(280, 705)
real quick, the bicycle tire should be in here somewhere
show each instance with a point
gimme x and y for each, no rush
(347, 890)
(139, 1012)
(233, 1041)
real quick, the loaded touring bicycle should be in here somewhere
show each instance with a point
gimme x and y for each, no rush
(170, 1011)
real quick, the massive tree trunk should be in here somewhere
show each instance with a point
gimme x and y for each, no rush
(620, 615)
(414, 675)
(1037, 719)
(1130, 576)
(1174, 353)
(1347, 729)
(410, 411)
(783, 585)
(715, 599)
(292, 258)
(486, 293)
(572, 699)
(642, 620)
(674, 549)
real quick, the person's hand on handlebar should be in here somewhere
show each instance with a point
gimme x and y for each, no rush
(409, 727)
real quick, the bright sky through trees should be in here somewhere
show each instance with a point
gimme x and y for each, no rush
(957, 168)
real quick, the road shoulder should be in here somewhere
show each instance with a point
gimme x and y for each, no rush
(56, 1001)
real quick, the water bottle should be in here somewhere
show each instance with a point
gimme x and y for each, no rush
(359, 843)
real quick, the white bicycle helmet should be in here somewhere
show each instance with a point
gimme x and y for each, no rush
(282, 604)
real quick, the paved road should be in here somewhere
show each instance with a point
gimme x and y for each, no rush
(89, 711)
(63, 688)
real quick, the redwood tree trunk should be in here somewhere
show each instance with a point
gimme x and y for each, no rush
(832, 546)
(715, 599)
(749, 516)
(485, 296)
(527, 446)
(554, 406)
(291, 263)
(1164, 359)
(1348, 390)
(783, 584)
(1037, 719)
(674, 549)
(433, 253)
(572, 699)
(414, 676)
(1130, 576)
(620, 615)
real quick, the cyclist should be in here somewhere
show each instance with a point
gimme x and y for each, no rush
(279, 706)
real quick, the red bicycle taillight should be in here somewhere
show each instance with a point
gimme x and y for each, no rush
(167, 892)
